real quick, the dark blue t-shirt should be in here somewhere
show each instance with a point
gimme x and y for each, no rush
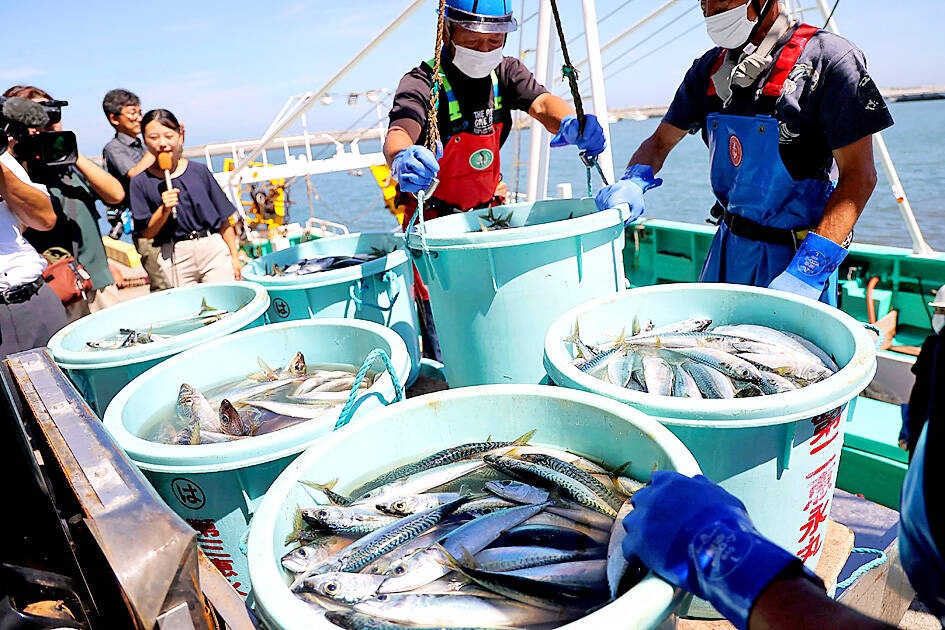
(203, 204)
(828, 101)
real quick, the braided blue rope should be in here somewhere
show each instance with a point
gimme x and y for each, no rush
(872, 564)
(345, 416)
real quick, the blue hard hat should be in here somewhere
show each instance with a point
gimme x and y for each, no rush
(482, 16)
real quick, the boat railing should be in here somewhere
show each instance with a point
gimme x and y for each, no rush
(324, 228)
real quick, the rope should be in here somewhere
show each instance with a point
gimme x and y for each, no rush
(345, 416)
(433, 128)
(568, 70)
(571, 74)
(872, 564)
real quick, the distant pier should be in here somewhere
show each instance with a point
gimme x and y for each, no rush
(920, 93)
(892, 95)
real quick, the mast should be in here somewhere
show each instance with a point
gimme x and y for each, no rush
(538, 138)
(919, 246)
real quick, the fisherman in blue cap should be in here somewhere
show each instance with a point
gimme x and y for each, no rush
(787, 111)
(478, 87)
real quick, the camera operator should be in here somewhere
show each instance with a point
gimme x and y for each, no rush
(30, 312)
(74, 184)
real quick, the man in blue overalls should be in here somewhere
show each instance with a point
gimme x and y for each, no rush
(787, 111)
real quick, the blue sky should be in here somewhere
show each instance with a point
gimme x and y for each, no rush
(226, 69)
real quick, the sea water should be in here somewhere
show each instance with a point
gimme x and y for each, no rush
(914, 142)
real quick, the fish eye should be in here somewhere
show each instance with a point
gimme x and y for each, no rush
(399, 505)
(382, 598)
(322, 513)
(399, 570)
(331, 587)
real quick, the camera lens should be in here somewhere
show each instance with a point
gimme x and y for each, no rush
(116, 231)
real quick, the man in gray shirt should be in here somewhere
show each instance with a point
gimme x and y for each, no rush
(125, 157)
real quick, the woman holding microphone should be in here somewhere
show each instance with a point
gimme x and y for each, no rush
(179, 204)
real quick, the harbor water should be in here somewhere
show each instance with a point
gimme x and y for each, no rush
(914, 142)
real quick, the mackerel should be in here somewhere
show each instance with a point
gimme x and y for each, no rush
(433, 470)
(524, 557)
(577, 474)
(530, 471)
(472, 537)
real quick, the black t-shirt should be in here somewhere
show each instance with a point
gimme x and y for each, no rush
(828, 101)
(517, 88)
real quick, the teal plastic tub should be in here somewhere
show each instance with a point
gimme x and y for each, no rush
(216, 488)
(778, 453)
(99, 374)
(494, 293)
(592, 425)
(378, 291)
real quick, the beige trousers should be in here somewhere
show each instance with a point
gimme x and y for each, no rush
(204, 259)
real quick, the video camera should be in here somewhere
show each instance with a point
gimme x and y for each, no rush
(46, 149)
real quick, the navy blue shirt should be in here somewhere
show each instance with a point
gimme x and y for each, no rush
(203, 205)
(828, 102)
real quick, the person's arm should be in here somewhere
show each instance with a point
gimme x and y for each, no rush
(798, 604)
(821, 252)
(640, 175)
(108, 189)
(697, 536)
(550, 110)
(143, 164)
(169, 200)
(228, 232)
(855, 184)
(30, 204)
(654, 150)
(402, 134)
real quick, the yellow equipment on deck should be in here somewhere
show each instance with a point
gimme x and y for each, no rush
(389, 190)
(268, 200)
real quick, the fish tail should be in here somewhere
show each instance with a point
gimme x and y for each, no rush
(524, 439)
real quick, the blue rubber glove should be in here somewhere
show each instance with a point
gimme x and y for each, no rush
(698, 537)
(414, 168)
(592, 141)
(629, 190)
(809, 270)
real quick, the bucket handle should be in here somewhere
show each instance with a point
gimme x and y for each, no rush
(345, 416)
(388, 278)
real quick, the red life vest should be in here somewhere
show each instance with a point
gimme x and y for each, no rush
(782, 67)
(470, 166)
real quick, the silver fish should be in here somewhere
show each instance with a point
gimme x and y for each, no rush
(523, 557)
(472, 537)
(194, 406)
(447, 456)
(310, 411)
(658, 375)
(306, 556)
(711, 382)
(350, 519)
(348, 588)
(616, 562)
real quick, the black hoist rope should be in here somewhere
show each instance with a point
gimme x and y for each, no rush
(569, 72)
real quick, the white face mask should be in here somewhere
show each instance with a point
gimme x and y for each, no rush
(475, 64)
(938, 321)
(730, 29)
